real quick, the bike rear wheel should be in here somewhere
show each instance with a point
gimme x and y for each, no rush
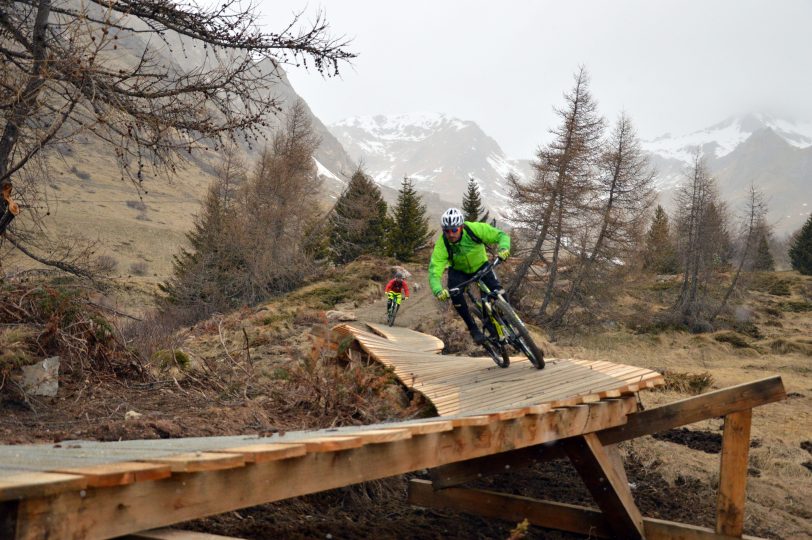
(524, 341)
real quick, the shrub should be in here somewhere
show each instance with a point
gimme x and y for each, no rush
(137, 205)
(81, 174)
(67, 326)
(784, 346)
(797, 307)
(106, 264)
(686, 383)
(747, 328)
(309, 317)
(779, 288)
(733, 338)
(139, 268)
(168, 358)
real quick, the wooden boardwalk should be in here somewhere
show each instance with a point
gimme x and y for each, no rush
(490, 417)
(459, 385)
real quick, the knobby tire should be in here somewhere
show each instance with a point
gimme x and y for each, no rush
(393, 311)
(530, 349)
(498, 352)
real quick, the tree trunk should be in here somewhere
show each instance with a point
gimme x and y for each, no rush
(25, 104)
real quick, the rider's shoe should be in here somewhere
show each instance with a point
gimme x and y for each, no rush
(479, 337)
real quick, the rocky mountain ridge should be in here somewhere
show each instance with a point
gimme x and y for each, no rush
(441, 152)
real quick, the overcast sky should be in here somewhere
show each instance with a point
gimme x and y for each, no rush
(674, 66)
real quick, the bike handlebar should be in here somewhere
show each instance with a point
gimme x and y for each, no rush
(476, 277)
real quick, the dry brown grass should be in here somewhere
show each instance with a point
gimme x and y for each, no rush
(779, 491)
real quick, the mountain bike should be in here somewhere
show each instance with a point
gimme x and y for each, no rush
(500, 323)
(392, 307)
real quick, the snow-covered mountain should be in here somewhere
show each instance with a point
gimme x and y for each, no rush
(772, 153)
(438, 152)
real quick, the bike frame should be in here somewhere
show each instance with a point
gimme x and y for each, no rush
(485, 302)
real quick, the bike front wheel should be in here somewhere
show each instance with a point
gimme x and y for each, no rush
(524, 341)
(498, 353)
(392, 312)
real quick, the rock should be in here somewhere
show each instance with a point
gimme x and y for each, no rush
(41, 379)
(132, 415)
(402, 270)
(335, 315)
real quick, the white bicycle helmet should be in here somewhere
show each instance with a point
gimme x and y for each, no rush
(451, 218)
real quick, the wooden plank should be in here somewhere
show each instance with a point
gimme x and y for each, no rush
(118, 474)
(693, 409)
(378, 436)
(200, 461)
(733, 473)
(597, 470)
(175, 534)
(479, 420)
(331, 444)
(696, 408)
(257, 453)
(566, 517)
(424, 428)
(38, 484)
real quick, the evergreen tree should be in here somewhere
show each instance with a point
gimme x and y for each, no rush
(410, 225)
(660, 256)
(800, 253)
(763, 259)
(251, 242)
(203, 276)
(472, 209)
(358, 221)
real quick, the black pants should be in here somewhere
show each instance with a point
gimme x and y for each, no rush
(455, 277)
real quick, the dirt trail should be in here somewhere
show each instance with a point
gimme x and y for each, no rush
(421, 305)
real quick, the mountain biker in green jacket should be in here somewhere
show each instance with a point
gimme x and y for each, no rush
(461, 249)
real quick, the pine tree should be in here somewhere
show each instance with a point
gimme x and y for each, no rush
(800, 253)
(203, 276)
(472, 209)
(660, 255)
(358, 221)
(410, 225)
(763, 259)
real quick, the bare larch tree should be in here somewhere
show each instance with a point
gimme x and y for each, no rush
(152, 79)
(560, 187)
(702, 244)
(624, 191)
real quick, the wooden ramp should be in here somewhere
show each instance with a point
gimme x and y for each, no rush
(91, 490)
(459, 385)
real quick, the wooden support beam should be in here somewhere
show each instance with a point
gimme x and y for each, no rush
(693, 409)
(455, 474)
(686, 411)
(8, 519)
(733, 473)
(551, 515)
(608, 487)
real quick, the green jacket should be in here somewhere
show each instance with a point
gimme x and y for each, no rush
(468, 255)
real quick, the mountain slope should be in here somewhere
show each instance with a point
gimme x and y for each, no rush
(438, 152)
(756, 149)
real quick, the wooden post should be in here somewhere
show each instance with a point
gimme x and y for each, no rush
(606, 484)
(8, 519)
(733, 473)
